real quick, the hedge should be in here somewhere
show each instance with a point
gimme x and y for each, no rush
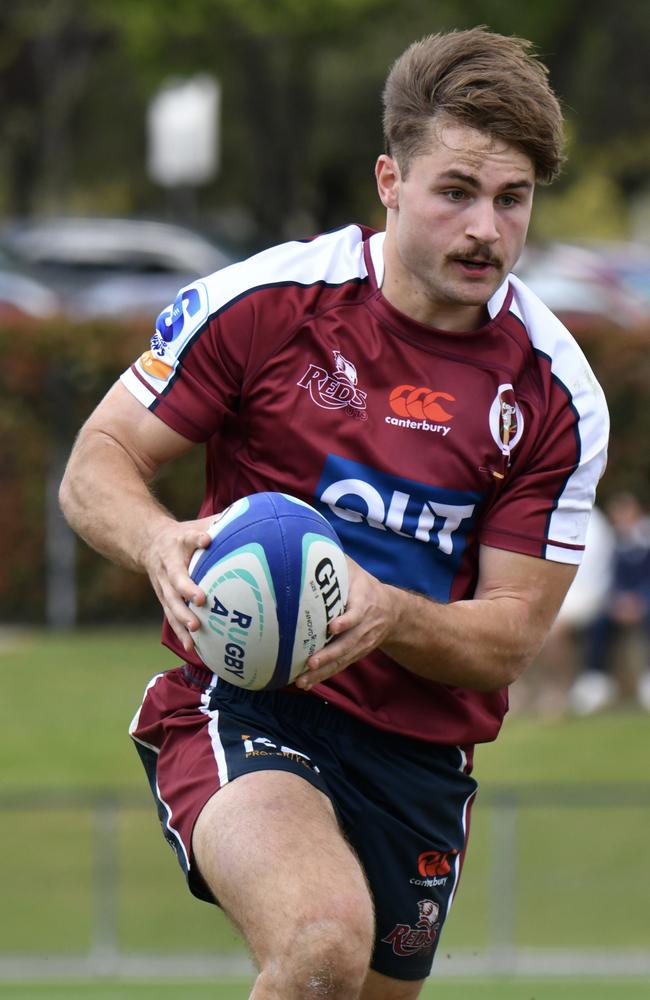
(54, 373)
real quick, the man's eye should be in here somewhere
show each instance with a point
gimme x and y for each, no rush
(507, 200)
(455, 195)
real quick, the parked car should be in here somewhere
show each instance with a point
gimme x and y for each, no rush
(631, 263)
(109, 267)
(22, 297)
(582, 287)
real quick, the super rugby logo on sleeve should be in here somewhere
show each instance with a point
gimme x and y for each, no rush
(406, 533)
(175, 327)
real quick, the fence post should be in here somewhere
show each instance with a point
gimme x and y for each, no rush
(60, 541)
(503, 887)
(104, 946)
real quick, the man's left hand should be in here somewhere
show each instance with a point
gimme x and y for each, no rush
(372, 612)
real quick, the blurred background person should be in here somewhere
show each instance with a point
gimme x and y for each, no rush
(547, 686)
(620, 633)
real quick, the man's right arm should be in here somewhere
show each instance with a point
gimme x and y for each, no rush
(106, 499)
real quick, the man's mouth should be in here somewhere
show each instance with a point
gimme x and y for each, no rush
(479, 265)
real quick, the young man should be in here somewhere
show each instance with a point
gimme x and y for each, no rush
(451, 430)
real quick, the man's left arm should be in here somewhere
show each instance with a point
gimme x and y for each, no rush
(483, 643)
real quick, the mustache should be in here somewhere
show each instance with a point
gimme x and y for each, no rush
(477, 254)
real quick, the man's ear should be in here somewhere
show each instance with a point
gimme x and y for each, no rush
(388, 177)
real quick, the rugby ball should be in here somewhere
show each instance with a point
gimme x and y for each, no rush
(274, 576)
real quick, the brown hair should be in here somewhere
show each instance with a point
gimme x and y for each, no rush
(488, 81)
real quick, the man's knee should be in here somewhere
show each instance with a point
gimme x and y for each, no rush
(327, 956)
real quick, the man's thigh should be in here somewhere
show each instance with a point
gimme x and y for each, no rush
(269, 847)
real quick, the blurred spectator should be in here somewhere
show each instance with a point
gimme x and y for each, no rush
(626, 613)
(545, 688)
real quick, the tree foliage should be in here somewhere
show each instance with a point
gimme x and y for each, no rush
(301, 81)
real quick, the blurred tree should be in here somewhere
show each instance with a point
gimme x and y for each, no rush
(45, 57)
(301, 99)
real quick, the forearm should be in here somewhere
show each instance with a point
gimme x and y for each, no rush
(106, 499)
(483, 644)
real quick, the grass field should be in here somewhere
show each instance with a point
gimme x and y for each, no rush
(466, 989)
(579, 872)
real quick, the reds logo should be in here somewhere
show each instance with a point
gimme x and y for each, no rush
(407, 940)
(506, 419)
(337, 389)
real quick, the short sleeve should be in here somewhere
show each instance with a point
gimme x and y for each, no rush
(546, 501)
(191, 375)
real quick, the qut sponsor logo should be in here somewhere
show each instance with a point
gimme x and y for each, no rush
(359, 500)
(428, 521)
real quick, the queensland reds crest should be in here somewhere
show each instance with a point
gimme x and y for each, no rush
(407, 940)
(335, 389)
(506, 420)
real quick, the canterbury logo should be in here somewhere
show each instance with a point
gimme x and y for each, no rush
(420, 403)
(435, 862)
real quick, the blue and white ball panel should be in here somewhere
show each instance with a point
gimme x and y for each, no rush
(238, 619)
(275, 575)
(322, 594)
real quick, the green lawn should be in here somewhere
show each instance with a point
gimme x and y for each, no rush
(579, 870)
(465, 989)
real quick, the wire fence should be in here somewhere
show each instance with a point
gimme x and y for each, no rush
(558, 883)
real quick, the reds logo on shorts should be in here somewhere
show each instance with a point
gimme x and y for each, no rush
(407, 940)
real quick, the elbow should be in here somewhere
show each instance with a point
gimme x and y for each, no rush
(507, 666)
(66, 504)
(66, 497)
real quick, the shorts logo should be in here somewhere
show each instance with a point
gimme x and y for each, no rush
(407, 940)
(435, 862)
(419, 408)
(335, 390)
(261, 746)
(506, 419)
(434, 868)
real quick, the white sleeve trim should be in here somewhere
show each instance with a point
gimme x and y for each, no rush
(136, 388)
(558, 554)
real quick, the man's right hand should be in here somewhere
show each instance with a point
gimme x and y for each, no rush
(166, 561)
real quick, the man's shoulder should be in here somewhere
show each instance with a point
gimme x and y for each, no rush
(329, 259)
(544, 329)
(557, 350)
(549, 337)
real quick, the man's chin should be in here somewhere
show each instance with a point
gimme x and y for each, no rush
(477, 293)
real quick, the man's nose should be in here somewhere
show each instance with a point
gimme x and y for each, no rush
(481, 222)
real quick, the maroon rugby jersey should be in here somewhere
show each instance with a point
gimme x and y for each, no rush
(417, 444)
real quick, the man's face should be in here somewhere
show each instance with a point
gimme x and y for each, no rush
(456, 224)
